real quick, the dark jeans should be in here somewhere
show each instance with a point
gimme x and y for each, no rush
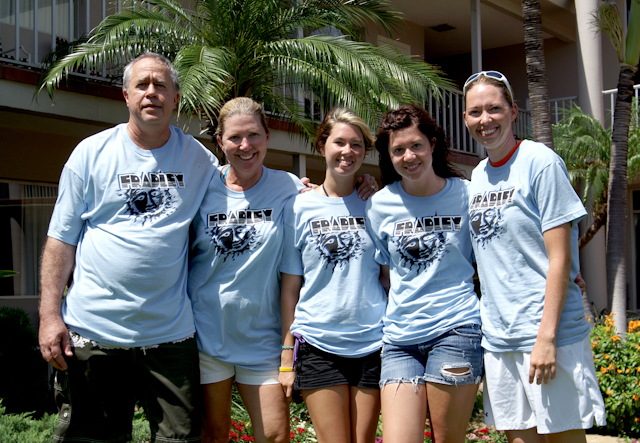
(96, 396)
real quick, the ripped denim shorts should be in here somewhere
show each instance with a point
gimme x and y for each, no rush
(436, 361)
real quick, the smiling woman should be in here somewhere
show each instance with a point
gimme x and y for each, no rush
(244, 141)
(234, 278)
(540, 377)
(332, 298)
(431, 356)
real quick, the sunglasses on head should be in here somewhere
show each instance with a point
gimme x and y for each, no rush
(491, 74)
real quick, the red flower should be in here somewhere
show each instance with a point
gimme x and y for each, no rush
(483, 431)
(427, 434)
(233, 435)
(300, 430)
(247, 438)
(292, 435)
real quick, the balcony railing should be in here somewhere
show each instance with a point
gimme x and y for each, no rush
(37, 26)
(44, 24)
(610, 101)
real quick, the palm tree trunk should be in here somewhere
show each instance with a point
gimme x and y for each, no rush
(588, 310)
(617, 201)
(536, 72)
(599, 220)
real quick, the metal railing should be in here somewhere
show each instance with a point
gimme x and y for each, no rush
(559, 107)
(80, 16)
(448, 114)
(38, 27)
(610, 100)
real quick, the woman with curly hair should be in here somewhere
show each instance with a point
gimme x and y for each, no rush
(431, 355)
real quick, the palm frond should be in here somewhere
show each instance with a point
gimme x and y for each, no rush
(366, 78)
(607, 19)
(584, 144)
(205, 83)
(229, 48)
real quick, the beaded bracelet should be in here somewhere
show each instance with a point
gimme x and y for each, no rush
(287, 347)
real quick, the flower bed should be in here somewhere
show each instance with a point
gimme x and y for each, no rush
(618, 367)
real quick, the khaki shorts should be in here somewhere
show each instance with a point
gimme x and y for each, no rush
(213, 370)
(572, 400)
(97, 395)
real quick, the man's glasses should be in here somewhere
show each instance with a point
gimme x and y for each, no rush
(490, 74)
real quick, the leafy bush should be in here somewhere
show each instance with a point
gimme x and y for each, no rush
(23, 428)
(21, 363)
(617, 364)
(140, 432)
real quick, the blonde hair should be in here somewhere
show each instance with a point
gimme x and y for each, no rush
(343, 115)
(240, 106)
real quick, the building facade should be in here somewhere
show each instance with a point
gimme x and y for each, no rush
(460, 36)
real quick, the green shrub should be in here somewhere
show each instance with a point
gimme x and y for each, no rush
(140, 432)
(23, 428)
(617, 364)
(21, 364)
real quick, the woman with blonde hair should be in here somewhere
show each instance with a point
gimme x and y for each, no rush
(540, 378)
(332, 298)
(234, 278)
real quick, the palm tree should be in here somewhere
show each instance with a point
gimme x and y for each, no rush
(585, 145)
(628, 49)
(266, 49)
(536, 72)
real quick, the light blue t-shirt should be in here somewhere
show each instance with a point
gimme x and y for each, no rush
(342, 301)
(128, 212)
(234, 277)
(425, 240)
(510, 208)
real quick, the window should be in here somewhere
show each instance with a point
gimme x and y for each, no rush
(25, 211)
(26, 15)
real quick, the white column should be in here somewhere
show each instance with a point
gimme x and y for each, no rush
(476, 37)
(476, 53)
(590, 85)
(622, 7)
(300, 165)
(590, 81)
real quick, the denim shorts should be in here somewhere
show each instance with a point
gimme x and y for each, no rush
(431, 361)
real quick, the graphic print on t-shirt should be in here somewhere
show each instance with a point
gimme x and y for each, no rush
(234, 233)
(485, 215)
(421, 241)
(337, 240)
(149, 195)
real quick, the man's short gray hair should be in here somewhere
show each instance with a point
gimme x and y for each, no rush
(126, 76)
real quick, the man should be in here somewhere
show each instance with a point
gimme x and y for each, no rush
(125, 330)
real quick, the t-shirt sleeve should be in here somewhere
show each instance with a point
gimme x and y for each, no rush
(66, 222)
(557, 201)
(382, 254)
(291, 262)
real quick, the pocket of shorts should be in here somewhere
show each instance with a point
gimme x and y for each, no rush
(471, 331)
